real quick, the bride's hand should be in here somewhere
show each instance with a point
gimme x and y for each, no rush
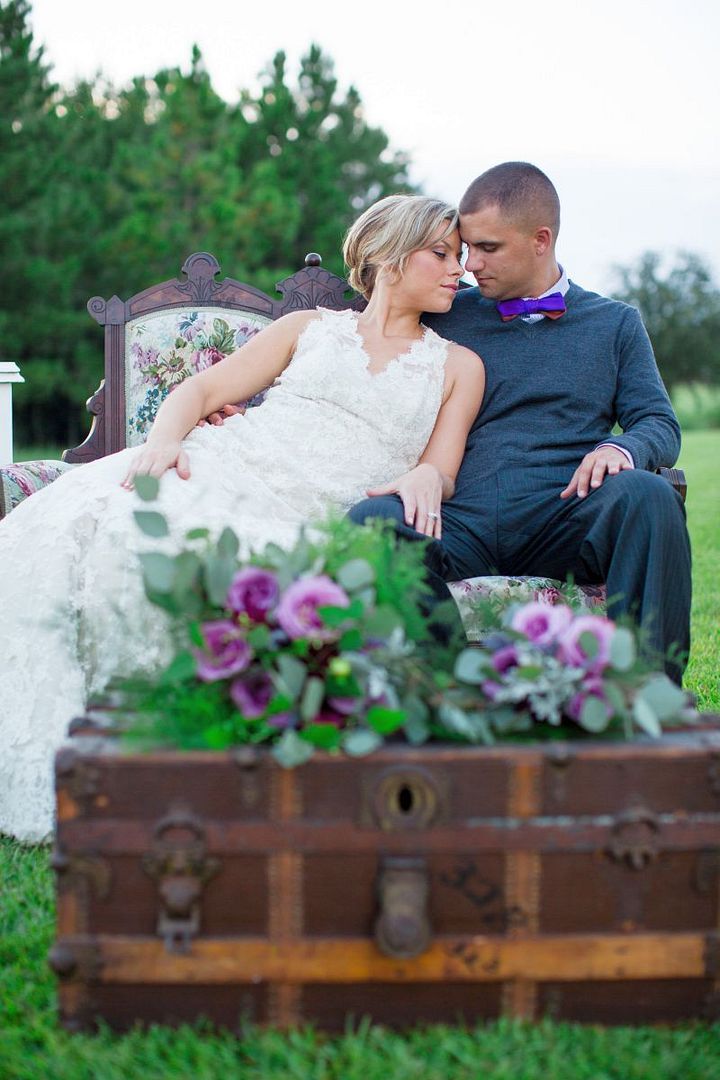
(155, 460)
(421, 493)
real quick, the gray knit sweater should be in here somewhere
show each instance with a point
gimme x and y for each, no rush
(555, 388)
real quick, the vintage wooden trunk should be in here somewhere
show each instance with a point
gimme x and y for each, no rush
(576, 880)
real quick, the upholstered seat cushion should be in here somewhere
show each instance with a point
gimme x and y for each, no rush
(473, 595)
(23, 478)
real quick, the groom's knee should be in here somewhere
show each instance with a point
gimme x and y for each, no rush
(385, 507)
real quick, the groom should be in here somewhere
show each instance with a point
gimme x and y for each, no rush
(545, 487)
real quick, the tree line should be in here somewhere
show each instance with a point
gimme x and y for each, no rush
(106, 190)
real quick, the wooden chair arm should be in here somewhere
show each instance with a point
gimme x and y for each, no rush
(676, 477)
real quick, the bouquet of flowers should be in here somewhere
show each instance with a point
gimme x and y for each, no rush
(326, 646)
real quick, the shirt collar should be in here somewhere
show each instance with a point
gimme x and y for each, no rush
(561, 285)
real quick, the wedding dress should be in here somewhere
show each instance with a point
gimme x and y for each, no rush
(72, 608)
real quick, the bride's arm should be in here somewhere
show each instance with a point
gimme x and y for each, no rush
(236, 378)
(432, 481)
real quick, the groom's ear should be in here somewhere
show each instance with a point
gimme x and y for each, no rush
(543, 240)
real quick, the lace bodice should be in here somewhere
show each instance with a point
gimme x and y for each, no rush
(330, 428)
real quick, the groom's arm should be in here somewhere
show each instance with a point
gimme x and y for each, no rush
(650, 430)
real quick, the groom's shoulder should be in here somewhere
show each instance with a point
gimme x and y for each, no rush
(469, 307)
(584, 301)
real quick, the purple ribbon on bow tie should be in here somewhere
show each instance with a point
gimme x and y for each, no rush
(553, 306)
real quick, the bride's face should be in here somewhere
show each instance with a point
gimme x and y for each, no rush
(431, 276)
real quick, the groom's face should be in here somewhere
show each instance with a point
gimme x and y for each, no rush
(502, 256)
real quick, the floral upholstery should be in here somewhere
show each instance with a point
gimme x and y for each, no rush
(23, 478)
(473, 595)
(164, 348)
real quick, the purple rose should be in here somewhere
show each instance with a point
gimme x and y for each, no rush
(282, 720)
(591, 687)
(253, 591)
(344, 705)
(297, 611)
(251, 694)
(491, 689)
(505, 658)
(542, 623)
(570, 648)
(230, 652)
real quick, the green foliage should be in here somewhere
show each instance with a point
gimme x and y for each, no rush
(107, 190)
(681, 311)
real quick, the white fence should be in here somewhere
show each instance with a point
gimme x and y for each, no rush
(9, 374)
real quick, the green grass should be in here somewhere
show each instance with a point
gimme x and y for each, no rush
(699, 459)
(33, 1047)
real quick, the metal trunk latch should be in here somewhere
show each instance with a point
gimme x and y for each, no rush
(634, 837)
(181, 867)
(402, 929)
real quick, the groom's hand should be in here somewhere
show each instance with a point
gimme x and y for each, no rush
(219, 417)
(592, 470)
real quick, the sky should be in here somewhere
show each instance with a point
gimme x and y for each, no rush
(617, 101)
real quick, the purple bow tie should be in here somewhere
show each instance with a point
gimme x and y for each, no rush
(553, 306)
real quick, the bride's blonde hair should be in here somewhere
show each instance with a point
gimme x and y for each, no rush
(389, 231)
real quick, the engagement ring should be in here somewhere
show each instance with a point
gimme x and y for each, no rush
(433, 517)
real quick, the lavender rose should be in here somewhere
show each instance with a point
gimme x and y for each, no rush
(229, 651)
(542, 623)
(297, 611)
(253, 591)
(570, 648)
(505, 658)
(252, 693)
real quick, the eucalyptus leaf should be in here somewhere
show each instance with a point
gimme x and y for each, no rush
(197, 534)
(593, 715)
(472, 667)
(147, 487)
(228, 543)
(589, 644)
(664, 697)
(219, 572)
(622, 649)
(355, 574)
(360, 741)
(615, 697)
(646, 718)
(290, 750)
(158, 571)
(151, 523)
(382, 621)
(259, 637)
(312, 698)
(417, 729)
(293, 674)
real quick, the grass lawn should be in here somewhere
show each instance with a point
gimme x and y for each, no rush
(32, 1047)
(699, 457)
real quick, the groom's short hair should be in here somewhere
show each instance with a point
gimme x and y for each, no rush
(523, 193)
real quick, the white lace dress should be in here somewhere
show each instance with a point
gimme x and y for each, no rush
(72, 608)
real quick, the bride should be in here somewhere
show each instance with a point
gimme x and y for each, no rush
(359, 403)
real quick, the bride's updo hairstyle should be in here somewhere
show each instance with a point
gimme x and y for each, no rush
(389, 231)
